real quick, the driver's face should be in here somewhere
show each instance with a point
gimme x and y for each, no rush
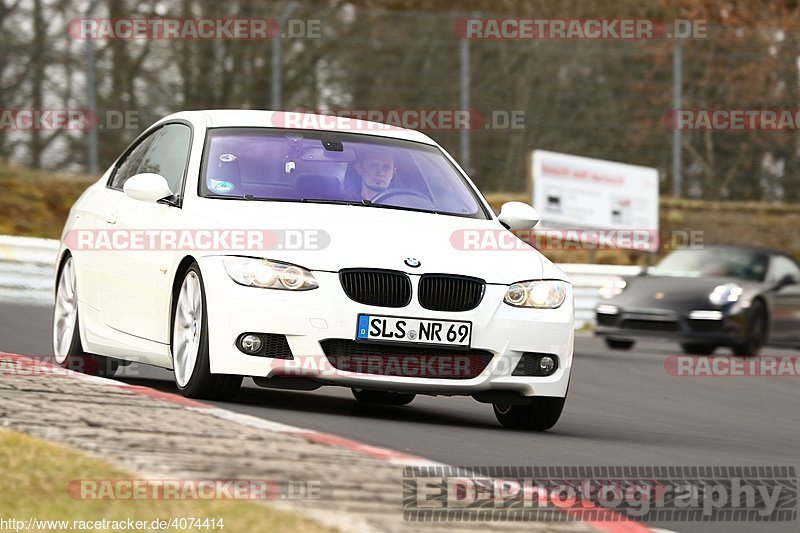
(377, 171)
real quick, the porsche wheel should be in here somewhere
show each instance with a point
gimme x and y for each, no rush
(755, 331)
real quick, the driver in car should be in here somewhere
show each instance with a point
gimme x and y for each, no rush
(376, 169)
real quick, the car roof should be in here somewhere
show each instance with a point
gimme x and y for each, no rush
(253, 118)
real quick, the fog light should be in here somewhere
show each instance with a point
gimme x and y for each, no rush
(251, 343)
(547, 364)
(706, 315)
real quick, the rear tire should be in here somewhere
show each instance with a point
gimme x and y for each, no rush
(540, 415)
(616, 344)
(189, 346)
(67, 347)
(382, 397)
(756, 331)
(698, 349)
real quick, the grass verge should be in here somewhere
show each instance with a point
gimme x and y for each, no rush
(36, 475)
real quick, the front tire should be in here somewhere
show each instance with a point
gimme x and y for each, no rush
(617, 344)
(67, 347)
(190, 354)
(756, 331)
(382, 397)
(540, 415)
(698, 349)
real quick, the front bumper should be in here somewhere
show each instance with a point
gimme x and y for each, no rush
(308, 317)
(671, 325)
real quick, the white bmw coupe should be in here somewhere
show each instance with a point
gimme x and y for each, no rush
(308, 250)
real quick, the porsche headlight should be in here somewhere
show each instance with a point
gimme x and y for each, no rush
(267, 274)
(613, 287)
(724, 294)
(545, 294)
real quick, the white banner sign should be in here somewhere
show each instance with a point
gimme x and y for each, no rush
(580, 193)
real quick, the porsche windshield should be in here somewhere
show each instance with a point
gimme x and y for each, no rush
(327, 167)
(721, 262)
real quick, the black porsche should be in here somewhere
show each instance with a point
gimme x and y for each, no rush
(741, 297)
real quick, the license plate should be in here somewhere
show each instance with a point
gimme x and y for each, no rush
(413, 330)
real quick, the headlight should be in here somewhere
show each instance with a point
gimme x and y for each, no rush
(723, 294)
(268, 274)
(613, 288)
(547, 294)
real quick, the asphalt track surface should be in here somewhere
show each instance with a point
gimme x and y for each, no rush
(623, 409)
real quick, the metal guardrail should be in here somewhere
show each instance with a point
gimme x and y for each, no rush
(26, 269)
(586, 282)
(26, 275)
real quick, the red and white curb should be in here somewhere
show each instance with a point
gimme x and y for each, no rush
(607, 521)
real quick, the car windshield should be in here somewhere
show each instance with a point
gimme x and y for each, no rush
(332, 167)
(721, 262)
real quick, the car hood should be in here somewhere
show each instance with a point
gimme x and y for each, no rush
(370, 237)
(673, 291)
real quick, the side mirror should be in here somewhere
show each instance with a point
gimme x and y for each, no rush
(147, 187)
(518, 216)
(786, 280)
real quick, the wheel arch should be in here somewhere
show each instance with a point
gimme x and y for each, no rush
(766, 304)
(180, 272)
(60, 260)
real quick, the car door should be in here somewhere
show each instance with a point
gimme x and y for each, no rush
(785, 325)
(97, 262)
(140, 276)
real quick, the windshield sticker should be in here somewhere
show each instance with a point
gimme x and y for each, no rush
(227, 158)
(223, 186)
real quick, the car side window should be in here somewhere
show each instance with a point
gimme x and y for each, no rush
(129, 166)
(169, 155)
(783, 266)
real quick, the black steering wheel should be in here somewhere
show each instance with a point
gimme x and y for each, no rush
(396, 192)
